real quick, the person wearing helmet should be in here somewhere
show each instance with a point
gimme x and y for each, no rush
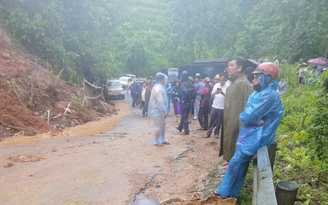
(157, 109)
(260, 120)
(204, 104)
(188, 94)
(199, 87)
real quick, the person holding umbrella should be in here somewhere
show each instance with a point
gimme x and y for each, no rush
(321, 64)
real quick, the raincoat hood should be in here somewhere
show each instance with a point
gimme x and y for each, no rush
(265, 105)
(161, 77)
(266, 81)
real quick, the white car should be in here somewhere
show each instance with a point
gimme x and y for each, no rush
(126, 82)
(114, 89)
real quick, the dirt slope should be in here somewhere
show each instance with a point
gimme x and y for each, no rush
(28, 90)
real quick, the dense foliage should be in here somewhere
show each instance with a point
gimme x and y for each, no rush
(303, 142)
(107, 38)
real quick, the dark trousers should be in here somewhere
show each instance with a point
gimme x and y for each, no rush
(203, 117)
(143, 108)
(216, 118)
(134, 100)
(184, 123)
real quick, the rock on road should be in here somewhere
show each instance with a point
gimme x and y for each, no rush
(115, 167)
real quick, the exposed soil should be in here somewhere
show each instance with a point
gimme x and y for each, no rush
(28, 89)
(213, 200)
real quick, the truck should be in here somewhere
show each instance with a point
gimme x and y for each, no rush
(210, 67)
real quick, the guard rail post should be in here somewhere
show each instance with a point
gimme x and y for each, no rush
(263, 189)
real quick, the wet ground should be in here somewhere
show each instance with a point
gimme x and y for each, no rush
(110, 161)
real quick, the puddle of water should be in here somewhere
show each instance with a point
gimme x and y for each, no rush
(103, 125)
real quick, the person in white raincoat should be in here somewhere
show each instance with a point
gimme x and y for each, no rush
(157, 109)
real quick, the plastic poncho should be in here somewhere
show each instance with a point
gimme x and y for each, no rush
(158, 102)
(265, 105)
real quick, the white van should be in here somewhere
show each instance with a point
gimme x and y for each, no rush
(126, 82)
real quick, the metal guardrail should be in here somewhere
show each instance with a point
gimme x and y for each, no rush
(263, 189)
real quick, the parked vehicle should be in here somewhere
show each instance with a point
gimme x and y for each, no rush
(126, 82)
(131, 76)
(140, 80)
(114, 89)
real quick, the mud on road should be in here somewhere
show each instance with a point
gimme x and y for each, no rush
(99, 163)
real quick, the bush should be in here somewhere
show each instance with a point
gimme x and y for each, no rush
(303, 139)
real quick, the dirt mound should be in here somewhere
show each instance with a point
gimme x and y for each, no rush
(30, 95)
(13, 114)
(213, 200)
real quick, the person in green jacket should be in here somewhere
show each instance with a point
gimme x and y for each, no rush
(235, 102)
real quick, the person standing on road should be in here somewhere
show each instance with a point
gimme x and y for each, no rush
(188, 94)
(144, 96)
(204, 104)
(168, 93)
(199, 87)
(260, 120)
(176, 97)
(134, 95)
(235, 101)
(157, 109)
(216, 115)
(191, 111)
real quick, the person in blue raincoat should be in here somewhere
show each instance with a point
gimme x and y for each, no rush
(168, 93)
(134, 94)
(157, 109)
(260, 121)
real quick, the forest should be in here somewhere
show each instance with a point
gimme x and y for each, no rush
(108, 38)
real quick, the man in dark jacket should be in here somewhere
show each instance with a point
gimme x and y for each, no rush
(204, 104)
(188, 93)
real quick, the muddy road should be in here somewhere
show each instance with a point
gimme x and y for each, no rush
(110, 161)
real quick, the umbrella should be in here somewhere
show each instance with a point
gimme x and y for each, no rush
(316, 61)
(322, 58)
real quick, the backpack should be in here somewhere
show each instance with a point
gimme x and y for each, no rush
(192, 92)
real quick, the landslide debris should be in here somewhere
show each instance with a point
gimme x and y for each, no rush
(28, 89)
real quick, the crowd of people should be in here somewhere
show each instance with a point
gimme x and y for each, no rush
(306, 76)
(243, 109)
(240, 106)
